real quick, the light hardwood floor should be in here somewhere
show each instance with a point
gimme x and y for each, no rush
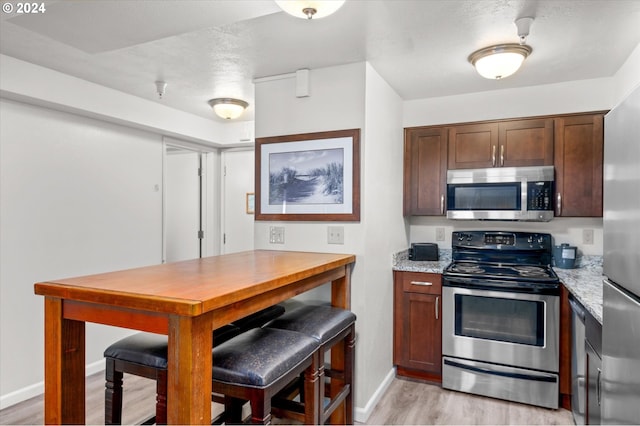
(405, 403)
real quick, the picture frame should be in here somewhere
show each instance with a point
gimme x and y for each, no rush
(250, 203)
(308, 177)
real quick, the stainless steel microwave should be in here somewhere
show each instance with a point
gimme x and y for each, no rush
(502, 193)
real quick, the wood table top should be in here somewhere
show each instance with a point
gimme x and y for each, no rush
(193, 287)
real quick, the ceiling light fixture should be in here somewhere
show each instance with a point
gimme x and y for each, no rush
(500, 61)
(228, 108)
(308, 9)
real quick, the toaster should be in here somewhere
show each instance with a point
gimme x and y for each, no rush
(423, 251)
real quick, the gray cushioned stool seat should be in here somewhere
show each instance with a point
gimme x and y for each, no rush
(145, 355)
(260, 356)
(322, 322)
(259, 318)
(151, 349)
(333, 328)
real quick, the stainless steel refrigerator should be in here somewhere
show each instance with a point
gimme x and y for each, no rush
(620, 381)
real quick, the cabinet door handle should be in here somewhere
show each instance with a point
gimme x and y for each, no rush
(501, 155)
(493, 157)
(437, 303)
(559, 204)
(441, 204)
(426, 283)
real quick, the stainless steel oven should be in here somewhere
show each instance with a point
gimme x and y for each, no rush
(500, 325)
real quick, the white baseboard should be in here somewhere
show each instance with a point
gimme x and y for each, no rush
(37, 389)
(361, 415)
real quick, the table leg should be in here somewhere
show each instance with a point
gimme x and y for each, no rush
(189, 370)
(341, 290)
(340, 297)
(64, 369)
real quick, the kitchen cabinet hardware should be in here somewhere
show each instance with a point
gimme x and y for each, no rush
(437, 303)
(421, 283)
(559, 205)
(493, 156)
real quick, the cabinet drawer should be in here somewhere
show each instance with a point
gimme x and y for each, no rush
(421, 282)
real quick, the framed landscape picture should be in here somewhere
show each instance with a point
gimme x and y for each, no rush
(312, 176)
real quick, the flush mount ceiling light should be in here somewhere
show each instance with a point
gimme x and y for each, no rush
(500, 61)
(228, 108)
(308, 9)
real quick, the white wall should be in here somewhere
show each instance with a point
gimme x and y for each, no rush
(237, 181)
(81, 192)
(345, 97)
(77, 196)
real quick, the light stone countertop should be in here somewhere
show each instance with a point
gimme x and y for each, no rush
(584, 282)
(401, 262)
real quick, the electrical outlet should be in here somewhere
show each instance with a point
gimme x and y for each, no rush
(276, 234)
(439, 234)
(335, 234)
(587, 236)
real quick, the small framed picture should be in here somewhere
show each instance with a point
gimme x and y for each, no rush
(251, 202)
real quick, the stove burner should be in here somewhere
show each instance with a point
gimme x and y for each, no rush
(531, 271)
(467, 268)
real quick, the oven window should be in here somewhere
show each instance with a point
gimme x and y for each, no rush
(505, 320)
(489, 196)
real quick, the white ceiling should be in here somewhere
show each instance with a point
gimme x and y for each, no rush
(213, 48)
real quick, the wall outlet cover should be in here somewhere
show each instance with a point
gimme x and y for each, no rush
(335, 234)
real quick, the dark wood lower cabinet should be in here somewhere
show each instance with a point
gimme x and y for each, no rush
(565, 349)
(417, 348)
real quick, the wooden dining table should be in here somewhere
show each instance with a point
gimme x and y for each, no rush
(185, 301)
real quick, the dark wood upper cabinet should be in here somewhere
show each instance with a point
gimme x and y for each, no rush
(526, 143)
(501, 144)
(578, 159)
(425, 171)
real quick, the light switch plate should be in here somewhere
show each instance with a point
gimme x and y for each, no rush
(276, 234)
(587, 236)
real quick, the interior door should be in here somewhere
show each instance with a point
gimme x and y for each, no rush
(238, 185)
(183, 219)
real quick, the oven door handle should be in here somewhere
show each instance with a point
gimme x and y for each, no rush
(522, 376)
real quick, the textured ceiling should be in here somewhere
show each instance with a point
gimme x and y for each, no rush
(214, 48)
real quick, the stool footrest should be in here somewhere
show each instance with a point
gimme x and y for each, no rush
(335, 402)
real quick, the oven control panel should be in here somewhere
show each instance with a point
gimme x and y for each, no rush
(501, 240)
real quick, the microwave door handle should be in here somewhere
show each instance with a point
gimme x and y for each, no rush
(559, 204)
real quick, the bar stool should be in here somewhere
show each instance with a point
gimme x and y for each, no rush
(145, 355)
(259, 363)
(334, 329)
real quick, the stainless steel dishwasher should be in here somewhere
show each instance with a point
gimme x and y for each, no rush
(578, 355)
